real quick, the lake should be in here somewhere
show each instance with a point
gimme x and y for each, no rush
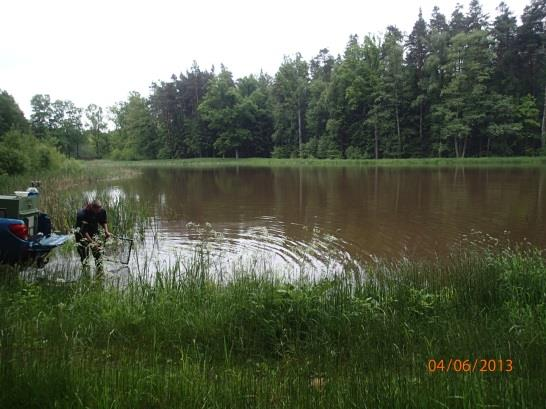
(318, 219)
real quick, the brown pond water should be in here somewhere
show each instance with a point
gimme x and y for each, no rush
(318, 218)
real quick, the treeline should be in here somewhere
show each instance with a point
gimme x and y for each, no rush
(20, 150)
(468, 85)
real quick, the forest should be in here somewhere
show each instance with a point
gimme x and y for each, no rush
(464, 85)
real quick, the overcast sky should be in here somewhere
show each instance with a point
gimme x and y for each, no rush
(97, 51)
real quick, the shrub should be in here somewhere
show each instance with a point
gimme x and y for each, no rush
(328, 149)
(309, 149)
(21, 152)
(12, 161)
(164, 153)
(124, 154)
(46, 157)
(353, 152)
(281, 152)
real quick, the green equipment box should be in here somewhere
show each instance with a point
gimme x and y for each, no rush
(21, 207)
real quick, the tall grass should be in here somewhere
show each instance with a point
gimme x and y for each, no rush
(62, 193)
(188, 339)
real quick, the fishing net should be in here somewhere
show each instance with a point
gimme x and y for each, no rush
(118, 249)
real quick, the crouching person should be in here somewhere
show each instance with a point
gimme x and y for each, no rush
(88, 220)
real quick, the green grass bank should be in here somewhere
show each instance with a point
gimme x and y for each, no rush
(188, 340)
(269, 162)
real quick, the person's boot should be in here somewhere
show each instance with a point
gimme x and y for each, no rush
(86, 269)
(99, 272)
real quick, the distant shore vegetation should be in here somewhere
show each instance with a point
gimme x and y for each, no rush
(462, 85)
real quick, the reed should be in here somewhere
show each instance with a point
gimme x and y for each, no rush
(192, 339)
(63, 192)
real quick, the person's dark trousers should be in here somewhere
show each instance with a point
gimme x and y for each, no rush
(83, 250)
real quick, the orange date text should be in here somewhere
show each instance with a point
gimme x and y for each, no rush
(470, 365)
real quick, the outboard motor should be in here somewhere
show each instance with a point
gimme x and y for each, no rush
(44, 224)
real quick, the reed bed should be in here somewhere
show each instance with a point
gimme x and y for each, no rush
(189, 339)
(63, 192)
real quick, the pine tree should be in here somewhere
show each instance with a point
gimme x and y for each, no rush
(476, 19)
(436, 72)
(505, 78)
(290, 91)
(416, 56)
(393, 79)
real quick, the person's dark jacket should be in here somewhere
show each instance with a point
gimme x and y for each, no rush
(88, 222)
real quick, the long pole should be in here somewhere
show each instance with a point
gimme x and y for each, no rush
(543, 130)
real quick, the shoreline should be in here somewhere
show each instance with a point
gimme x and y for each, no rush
(537, 161)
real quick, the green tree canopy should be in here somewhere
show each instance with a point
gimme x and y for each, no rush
(11, 116)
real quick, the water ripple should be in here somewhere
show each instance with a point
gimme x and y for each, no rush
(307, 249)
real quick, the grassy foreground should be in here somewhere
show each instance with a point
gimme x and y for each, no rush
(190, 341)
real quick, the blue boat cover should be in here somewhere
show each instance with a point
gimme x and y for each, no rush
(49, 242)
